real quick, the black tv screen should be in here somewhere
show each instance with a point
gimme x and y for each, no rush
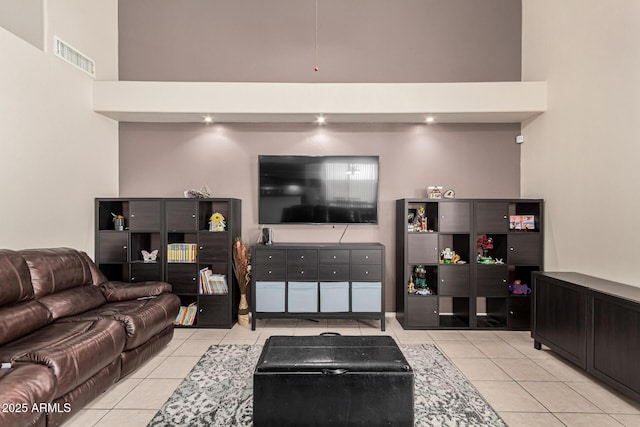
(318, 189)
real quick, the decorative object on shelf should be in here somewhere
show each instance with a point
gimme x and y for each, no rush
(242, 269)
(422, 219)
(420, 284)
(499, 261)
(216, 222)
(449, 194)
(118, 222)
(519, 288)
(411, 287)
(435, 192)
(149, 256)
(447, 256)
(522, 222)
(203, 193)
(485, 243)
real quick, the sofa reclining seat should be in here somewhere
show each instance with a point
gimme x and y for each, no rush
(67, 334)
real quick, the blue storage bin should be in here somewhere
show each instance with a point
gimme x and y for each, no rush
(366, 296)
(303, 297)
(270, 297)
(334, 297)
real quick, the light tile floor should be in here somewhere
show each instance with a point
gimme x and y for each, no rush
(525, 386)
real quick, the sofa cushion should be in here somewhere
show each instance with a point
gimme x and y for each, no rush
(54, 270)
(20, 388)
(20, 319)
(74, 351)
(121, 291)
(97, 276)
(73, 301)
(141, 319)
(14, 277)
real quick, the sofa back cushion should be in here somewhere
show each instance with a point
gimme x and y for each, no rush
(54, 270)
(15, 280)
(21, 319)
(73, 301)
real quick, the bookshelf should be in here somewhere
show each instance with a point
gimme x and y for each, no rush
(180, 230)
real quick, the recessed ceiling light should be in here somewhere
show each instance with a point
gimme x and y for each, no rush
(208, 119)
(321, 120)
(430, 119)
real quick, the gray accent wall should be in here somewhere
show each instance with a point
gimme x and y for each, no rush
(163, 160)
(358, 40)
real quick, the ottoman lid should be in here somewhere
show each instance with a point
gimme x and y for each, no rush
(331, 354)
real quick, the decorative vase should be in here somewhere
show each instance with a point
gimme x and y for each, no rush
(118, 224)
(243, 311)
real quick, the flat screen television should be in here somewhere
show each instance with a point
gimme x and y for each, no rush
(318, 189)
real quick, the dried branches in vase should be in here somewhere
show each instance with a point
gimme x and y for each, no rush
(242, 269)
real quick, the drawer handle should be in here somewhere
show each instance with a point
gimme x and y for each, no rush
(132, 216)
(301, 256)
(201, 310)
(504, 217)
(511, 248)
(270, 256)
(133, 279)
(201, 248)
(435, 312)
(504, 281)
(193, 278)
(334, 257)
(193, 216)
(366, 272)
(334, 272)
(301, 271)
(124, 247)
(269, 271)
(366, 257)
(511, 312)
(442, 280)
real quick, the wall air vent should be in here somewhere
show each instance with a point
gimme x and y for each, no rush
(74, 57)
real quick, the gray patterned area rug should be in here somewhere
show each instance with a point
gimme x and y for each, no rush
(218, 391)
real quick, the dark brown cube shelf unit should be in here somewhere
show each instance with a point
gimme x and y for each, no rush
(469, 294)
(318, 281)
(156, 223)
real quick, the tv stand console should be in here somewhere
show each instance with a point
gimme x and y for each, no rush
(318, 281)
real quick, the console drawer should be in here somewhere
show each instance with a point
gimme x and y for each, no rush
(334, 256)
(270, 257)
(366, 272)
(366, 256)
(338, 273)
(302, 272)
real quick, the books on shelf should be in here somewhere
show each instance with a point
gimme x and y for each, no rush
(212, 284)
(186, 315)
(182, 252)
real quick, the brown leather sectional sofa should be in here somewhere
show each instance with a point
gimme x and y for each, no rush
(67, 334)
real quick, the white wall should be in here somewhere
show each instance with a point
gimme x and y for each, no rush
(56, 154)
(582, 155)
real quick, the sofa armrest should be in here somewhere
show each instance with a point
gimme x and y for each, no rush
(122, 291)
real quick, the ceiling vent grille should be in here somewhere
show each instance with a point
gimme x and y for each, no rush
(74, 57)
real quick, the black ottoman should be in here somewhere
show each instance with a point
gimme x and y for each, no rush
(332, 380)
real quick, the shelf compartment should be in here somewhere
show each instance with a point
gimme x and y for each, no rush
(453, 312)
(491, 312)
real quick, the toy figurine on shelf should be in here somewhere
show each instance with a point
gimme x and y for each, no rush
(412, 286)
(422, 219)
(447, 256)
(216, 222)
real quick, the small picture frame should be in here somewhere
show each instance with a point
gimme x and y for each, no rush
(449, 194)
(434, 192)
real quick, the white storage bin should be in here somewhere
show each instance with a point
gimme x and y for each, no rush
(303, 297)
(366, 296)
(334, 297)
(270, 297)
